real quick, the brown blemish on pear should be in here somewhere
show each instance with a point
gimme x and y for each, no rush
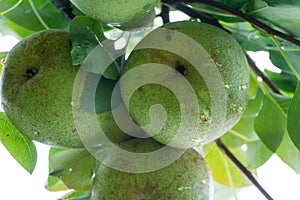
(188, 178)
(220, 51)
(37, 87)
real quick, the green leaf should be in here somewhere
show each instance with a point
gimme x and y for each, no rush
(254, 105)
(19, 30)
(224, 192)
(277, 14)
(257, 154)
(270, 124)
(53, 183)
(83, 40)
(75, 167)
(289, 154)
(279, 61)
(249, 38)
(253, 87)
(99, 61)
(87, 50)
(293, 118)
(94, 26)
(19, 146)
(24, 15)
(284, 80)
(223, 170)
(244, 130)
(77, 195)
(233, 139)
(283, 101)
(236, 4)
(251, 45)
(103, 94)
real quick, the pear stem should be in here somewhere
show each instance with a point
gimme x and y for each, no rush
(241, 167)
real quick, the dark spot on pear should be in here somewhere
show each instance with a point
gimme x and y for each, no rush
(30, 72)
(168, 35)
(180, 68)
(140, 89)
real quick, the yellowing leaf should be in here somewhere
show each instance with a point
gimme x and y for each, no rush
(75, 167)
(223, 170)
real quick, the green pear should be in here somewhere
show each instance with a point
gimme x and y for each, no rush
(141, 22)
(37, 87)
(114, 11)
(186, 83)
(188, 177)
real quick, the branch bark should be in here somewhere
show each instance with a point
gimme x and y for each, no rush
(207, 18)
(243, 169)
(265, 78)
(179, 5)
(244, 16)
(165, 14)
(65, 7)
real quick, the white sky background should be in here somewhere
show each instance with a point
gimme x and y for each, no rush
(277, 178)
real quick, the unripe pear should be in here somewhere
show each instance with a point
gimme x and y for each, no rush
(187, 178)
(196, 72)
(37, 87)
(115, 11)
(143, 21)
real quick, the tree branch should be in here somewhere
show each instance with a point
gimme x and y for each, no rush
(244, 170)
(264, 77)
(179, 5)
(239, 14)
(65, 7)
(207, 18)
(165, 13)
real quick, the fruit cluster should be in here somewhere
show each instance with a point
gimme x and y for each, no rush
(184, 85)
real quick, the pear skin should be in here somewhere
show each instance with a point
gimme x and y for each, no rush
(199, 76)
(188, 178)
(116, 11)
(37, 89)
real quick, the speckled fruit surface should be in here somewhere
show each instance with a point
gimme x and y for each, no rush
(114, 11)
(188, 178)
(225, 67)
(37, 87)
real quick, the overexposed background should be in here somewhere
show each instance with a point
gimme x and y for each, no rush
(277, 178)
